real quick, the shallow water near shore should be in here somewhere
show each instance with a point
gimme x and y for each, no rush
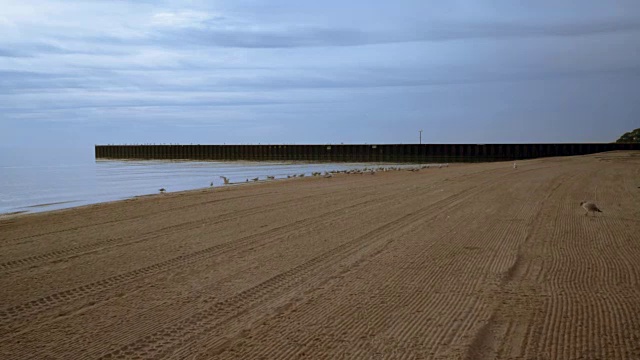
(32, 181)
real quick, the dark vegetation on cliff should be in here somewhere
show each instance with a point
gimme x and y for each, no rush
(630, 137)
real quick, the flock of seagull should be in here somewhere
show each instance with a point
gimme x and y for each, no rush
(366, 170)
(588, 206)
(330, 174)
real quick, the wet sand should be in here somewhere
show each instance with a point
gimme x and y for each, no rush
(476, 261)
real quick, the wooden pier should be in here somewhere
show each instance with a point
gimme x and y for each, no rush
(356, 153)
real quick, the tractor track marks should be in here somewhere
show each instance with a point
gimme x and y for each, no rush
(22, 314)
(40, 304)
(130, 218)
(590, 309)
(76, 251)
(408, 328)
(500, 336)
(162, 342)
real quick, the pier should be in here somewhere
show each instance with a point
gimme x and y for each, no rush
(409, 153)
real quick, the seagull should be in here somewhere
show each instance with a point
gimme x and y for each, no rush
(162, 190)
(255, 179)
(271, 177)
(515, 166)
(225, 179)
(589, 206)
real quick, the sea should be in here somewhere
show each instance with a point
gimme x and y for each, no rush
(35, 180)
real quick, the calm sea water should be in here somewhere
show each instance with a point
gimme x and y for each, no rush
(35, 180)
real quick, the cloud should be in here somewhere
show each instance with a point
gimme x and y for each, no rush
(22, 50)
(264, 38)
(33, 49)
(309, 62)
(184, 18)
(11, 53)
(180, 30)
(511, 29)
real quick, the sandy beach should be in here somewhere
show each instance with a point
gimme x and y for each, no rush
(472, 261)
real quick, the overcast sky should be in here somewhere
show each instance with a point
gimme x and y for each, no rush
(79, 73)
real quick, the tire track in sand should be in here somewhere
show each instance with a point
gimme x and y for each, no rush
(499, 333)
(592, 309)
(462, 311)
(438, 209)
(418, 263)
(68, 253)
(13, 317)
(211, 300)
(30, 238)
(162, 342)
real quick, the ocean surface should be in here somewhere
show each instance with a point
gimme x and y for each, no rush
(33, 180)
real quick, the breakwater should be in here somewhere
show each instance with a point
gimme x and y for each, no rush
(356, 153)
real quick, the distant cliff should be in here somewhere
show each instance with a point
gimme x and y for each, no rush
(630, 137)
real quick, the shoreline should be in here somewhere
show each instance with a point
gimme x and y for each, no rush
(25, 210)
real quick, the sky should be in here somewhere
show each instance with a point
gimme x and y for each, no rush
(79, 73)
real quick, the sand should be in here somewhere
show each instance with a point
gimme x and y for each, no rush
(476, 261)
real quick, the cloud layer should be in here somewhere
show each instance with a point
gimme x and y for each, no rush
(285, 71)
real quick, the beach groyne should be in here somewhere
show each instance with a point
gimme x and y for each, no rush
(357, 153)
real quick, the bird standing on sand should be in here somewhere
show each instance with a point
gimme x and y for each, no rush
(162, 190)
(589, 206)
(515, 166)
